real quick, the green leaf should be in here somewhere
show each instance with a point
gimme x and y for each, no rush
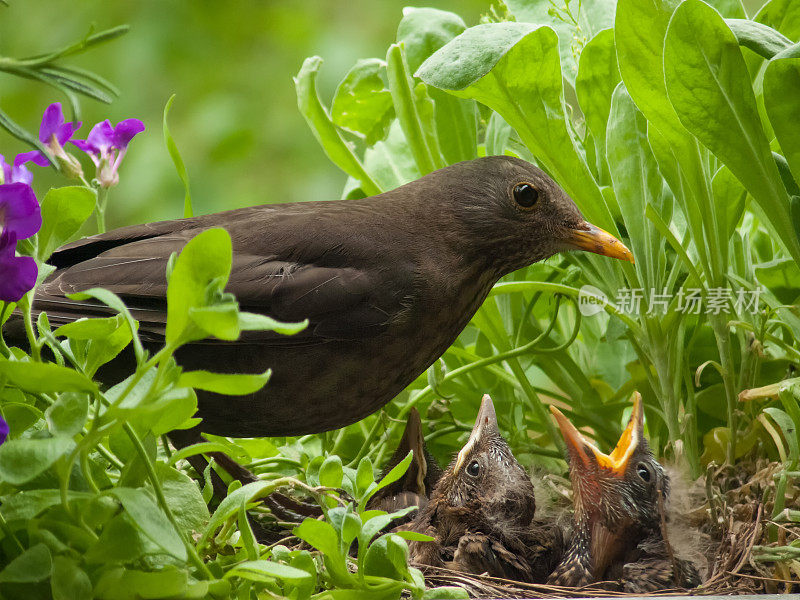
(788, 429)
(364, 474)
(26, 505)
(64, 210)
(67, 415)
(87, 329)
(709, 87)
(101, 350)
(44, 377)
(781, 15)
(320, 535)
(362, 103)
(330, 472)
(759, 38)
(346, 523)
(598, 75)
(266, 570)
(781, 89)
(151, 520)
(203, 264)
(446, 593)
(256, 322)
(220, 320)
(323, 128)
(514, 68)
(69, 581)
(414, 535)
(184, 498)
(224, 383)
(120, 542)
(35, 564)
(22, 460)
(387, 557)
(175, 155)
(422, 31)
(130, 584)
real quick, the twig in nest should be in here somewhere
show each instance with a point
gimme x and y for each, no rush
(670, 554)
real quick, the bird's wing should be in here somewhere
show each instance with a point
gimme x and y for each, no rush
(341, 302)
(480, 553)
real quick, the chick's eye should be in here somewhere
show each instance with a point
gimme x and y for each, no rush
(643, 471)
(473, 468)
(525, 195)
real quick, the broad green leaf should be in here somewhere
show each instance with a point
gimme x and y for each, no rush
(729, 198)
(364, 474)
(22, 460)
(320, 535)
(598, 75)
(332, 142)
(205, 261)
(362, 103)
(390, 161)
(220, 320)
(224, 383)
(637, 181)
(759, 38)
(130, 584)
(446, 593)
(514, 68)
(87, 329)
(709, 87)
(64, 210)
(101, 350)
(256, 322)
(385, 558)
(346, 523)
(120, 542)
(591, 16)
(184, 498)
(69, 581)
(421, 32)
(26, 505)
(33, 565)
(44, 377)
(781, 15)
(151, 520)
(414, 535)
(266, 570)
(781, 90)
(67, 415)
(330, 472)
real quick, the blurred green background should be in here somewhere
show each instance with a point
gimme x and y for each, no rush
(231, 65)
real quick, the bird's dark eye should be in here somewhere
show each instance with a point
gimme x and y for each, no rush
(473, 468)
(525, 195)
(643, 471)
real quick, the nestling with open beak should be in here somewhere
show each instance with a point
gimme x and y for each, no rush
(416, 486)
(481, 513)
(618, 528)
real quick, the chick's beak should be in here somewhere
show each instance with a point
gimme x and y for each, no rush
(593, 239)
(580, 449)
(484, 424)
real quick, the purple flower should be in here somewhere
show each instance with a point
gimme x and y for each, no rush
(53, 133)
(4, 429)
(106, 145)
(18, 173)
(19, 210)
(17, 273)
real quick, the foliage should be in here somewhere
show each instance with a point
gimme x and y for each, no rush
(683, 144)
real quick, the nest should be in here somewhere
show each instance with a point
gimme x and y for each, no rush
(734, 523)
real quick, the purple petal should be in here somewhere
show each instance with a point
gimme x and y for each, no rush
(20, 173)
(102, 136)
(17, 273)
(52, 120)
(125, 130)
(85, 146)
(4, 430)
(19, 210)
(34, 156)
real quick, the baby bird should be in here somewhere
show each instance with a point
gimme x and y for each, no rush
(619, 501)
(481, 513)
(416, 486)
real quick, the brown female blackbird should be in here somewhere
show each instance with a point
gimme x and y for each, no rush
(619, 501)
(387, 284)
(415, 487)
(481, 513)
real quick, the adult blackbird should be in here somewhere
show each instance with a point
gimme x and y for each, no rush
(414, 488)
(386, 282)
(481, 513)
(618, 526)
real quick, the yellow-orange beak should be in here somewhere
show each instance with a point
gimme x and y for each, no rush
(594, 239)
(583, 450)
(486, 421)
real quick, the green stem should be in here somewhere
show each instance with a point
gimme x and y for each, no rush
(100, 208)
(194, 557)
(721, 333)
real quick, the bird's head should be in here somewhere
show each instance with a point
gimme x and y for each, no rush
(616, 496)
(514, 214)
(486, 476)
